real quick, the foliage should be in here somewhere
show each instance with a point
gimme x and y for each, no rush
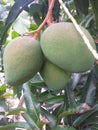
(73, 108)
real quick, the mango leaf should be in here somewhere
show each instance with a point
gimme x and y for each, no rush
(93, 119)
(22, 23)
(95, 127)
(30, 121)
(4, 121)
(32, 105)
(3, 88)
(16, 111)
(23, 125)
(56, 11)
(89, 89)
(16, 9)
(54, 99)
(58, 110)
(85, 89)
(95, 9)
(18, 90)
(44, 8)
(50, 117)
(63, 128)
(40, 84)
(4, 105)
(35, 11)
(74, 80)
(84, 116)
(82, 6)
(14, 34)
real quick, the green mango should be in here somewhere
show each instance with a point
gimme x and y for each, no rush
(22, 60)
(54, 77)
(62, 44)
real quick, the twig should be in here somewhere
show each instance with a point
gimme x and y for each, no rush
(86, 41)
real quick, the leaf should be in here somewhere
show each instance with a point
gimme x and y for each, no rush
(32, 105)
(56, 11)
(58, 110)
(89, 89)
(15, 111)
(90, 98)
(85, 89)
(93, 119)
(35, 10)
(22, 23)
(18, 90)
(71, 97)
(16, 9)
(63, 128)
(95, 127)
(30, 121)
(84, 116)
(95, 9)
(50, 117)
(75, 78)
(44, 8)
(23, 125)
(4, 105)
(4, 121)
(3, 88)
(54, 99)
(14, 34)
(40, 84)
(82, 6)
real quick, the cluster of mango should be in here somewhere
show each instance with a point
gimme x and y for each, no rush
(60, 52)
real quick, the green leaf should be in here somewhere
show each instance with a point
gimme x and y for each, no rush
(95, 9)
(23, 125)
(35, 10)
(84, 116)
(22, 23)
(95, 127)
(14, 34)
(82, 6)
(50, 117)
(58, 110)
(30, 121)
(85, 89)
(63, 128)
(93, 119)
(15, 10)
(54, 99)
(32, 105)
(4, 105)
(15, 111)
(18, 90)
(3, 87)
(40, 84)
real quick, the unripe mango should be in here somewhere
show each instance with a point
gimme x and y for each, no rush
(54, 77)
(22, 60)
(63, 46)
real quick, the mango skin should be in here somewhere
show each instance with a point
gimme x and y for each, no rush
(22, 60)
(54, 77)
(63, 46)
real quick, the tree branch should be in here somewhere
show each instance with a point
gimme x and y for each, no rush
(86, 41)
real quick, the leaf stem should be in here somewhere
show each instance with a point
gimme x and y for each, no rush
(86, 41)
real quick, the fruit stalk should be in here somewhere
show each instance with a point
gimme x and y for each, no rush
(86, 41)
(47, 19)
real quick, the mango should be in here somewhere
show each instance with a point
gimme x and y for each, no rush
(22, 60)
(64, 47)
(54, 77)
